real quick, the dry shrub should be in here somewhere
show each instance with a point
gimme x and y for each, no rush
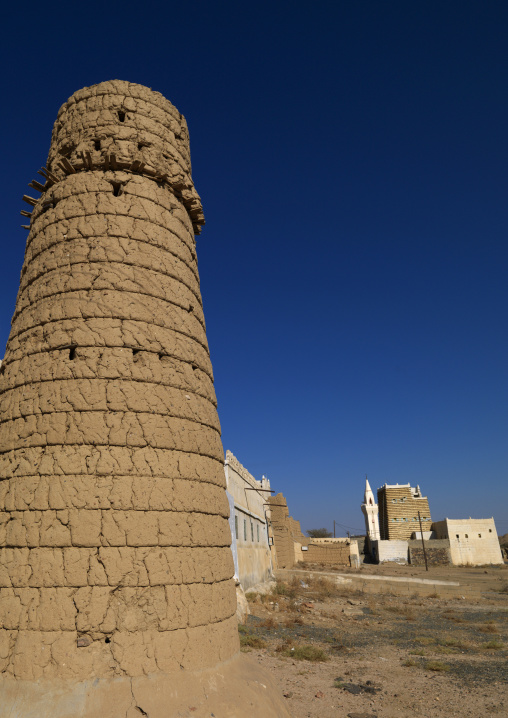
(410, 663)
(450, 616)
(437, 666)
(302, 653)
(492, 645)
(269, 622)
(289, 589)
(489, 627)
(251, 596)
(293, 620)
(448, 642)
(322, 587)
(250, 641)
(424, 640)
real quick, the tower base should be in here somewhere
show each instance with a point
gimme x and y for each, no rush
(234, 689)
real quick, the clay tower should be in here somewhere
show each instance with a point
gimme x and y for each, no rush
(116, 597)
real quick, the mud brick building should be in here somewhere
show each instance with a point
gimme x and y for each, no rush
(399, 505)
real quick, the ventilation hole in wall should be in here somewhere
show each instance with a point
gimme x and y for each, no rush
(194, 367)
(107, 639)
(178, 137)
(72, 353)
(135, 351)
(161, 355)
(165, 156)
(97, 144)
(2, 369)
(117, 188)
(121, 115)
(190, 308)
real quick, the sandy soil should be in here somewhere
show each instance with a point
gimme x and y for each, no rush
(386, 655)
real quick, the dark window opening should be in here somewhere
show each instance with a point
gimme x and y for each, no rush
(97, 144)
(161, 355)
(194, 367)
(72, 353)
(121, 115)
(117, 189)
(107, 639)
(2, 369)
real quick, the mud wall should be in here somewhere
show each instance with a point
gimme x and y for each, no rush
(398, 512)
(115, 547)
(328, 554)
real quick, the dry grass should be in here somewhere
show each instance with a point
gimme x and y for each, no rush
(437, 666)
(251, 596)
(410, 663)
(247, 640)
(269, 623)
(302, 653)
(293, 620)
(492, 645)
(424, 640)
(489, 627)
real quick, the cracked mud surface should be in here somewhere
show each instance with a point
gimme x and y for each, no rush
(114, 538)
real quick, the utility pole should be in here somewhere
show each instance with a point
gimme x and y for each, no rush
(334, 528)
(423, 542)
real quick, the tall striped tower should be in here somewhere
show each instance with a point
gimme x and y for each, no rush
(116, 596)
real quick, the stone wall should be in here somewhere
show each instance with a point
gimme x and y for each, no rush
(438, 552)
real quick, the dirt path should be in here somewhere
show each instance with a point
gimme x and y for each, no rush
(384, 655)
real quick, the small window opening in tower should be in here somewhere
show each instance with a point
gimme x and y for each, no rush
(117, 189)
(121, 115)
(72, 353)
(97, 144)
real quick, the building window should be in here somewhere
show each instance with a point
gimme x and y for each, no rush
(457, 535)
(258, 532)
(245, 529)
(467, 535)
(490, 531)
(479, 535)
(252, 532)
(236, 526)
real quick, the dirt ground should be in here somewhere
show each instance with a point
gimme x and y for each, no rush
(338, 650)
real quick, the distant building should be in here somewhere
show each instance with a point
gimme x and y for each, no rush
(473, 542)
(399, 505)
(371, 513)
(249, 529)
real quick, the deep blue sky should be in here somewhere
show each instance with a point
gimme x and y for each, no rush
(352, 158)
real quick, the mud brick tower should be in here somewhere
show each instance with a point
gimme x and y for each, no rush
(116, 597)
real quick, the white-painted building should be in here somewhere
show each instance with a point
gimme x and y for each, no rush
(473, 542)
(249, 529)
(371, 513)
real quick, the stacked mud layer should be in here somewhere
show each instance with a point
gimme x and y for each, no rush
(115, 557)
